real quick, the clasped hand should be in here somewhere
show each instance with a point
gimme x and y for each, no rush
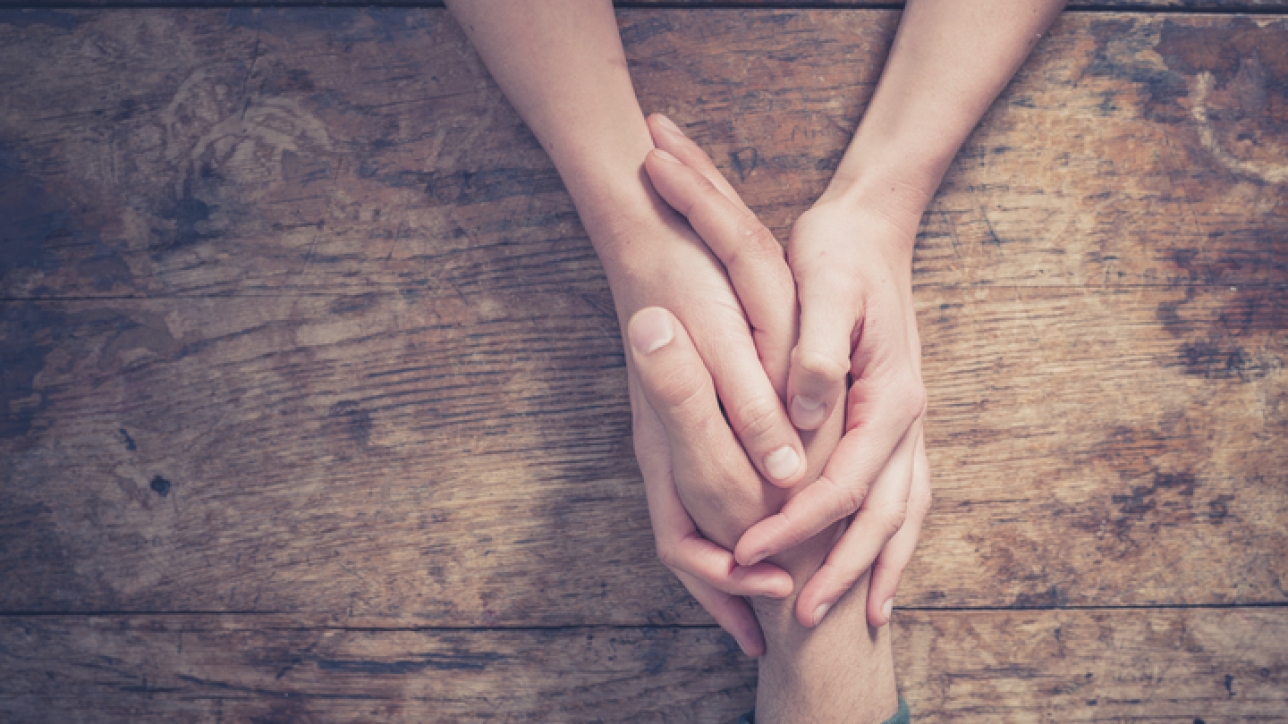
(738, 499)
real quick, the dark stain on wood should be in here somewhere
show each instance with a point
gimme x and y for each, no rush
(28, 332)
(31, 218)
(310, 266)
(1226, 345)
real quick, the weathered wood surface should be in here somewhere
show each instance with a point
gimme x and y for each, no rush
(393, 385)
(1017, 666)
(346, 151)
(467, 460)
(297, 324)
(1224, 6)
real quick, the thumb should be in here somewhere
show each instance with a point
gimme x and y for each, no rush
(821, 359)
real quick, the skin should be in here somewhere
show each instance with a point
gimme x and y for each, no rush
(822, 552)
(561, 64)
(851, 255)
(843, 670)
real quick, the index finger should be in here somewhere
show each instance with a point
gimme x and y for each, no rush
(751, 255)
(839, 492)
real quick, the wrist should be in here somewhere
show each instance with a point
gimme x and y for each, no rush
(635, 236)
(887, 183)
(841, 671)
(848, 233)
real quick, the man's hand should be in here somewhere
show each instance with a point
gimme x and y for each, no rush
(706, 475)
(692, 461)
(856, 315)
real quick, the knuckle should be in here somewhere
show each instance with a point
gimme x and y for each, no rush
(754, 418)
(848, 497)
(906, 398)
(889, 522)
(840, 578)
(757, 238)
(677, 387)
(819, 367)
(668, 556)
(752, 244)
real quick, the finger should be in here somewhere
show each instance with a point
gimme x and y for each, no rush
(751, 256)
(680, 390)
(894, 558)
(680, 546)
(821, 359)
(732, 613)
(704, 560)
(882, 516)
(859, 458)
(668, 137)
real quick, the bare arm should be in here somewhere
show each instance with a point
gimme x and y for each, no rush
(561, 64)
(949, 62)
(851, 254)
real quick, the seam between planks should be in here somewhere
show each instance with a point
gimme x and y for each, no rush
(1124, 9)
(589, 626)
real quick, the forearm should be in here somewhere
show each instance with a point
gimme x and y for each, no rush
(841, 671)
(949, 61)
(561, 65)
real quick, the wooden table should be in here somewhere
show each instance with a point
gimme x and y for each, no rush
(314, 401)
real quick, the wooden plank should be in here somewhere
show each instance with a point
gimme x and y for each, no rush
(1064, 666)
(1223, 6)
(1155, 666)
(466, 460)
(144, 669)
(172, 152)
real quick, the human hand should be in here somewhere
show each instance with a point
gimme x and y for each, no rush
(714, 478)
(853, 269)
(742, 339)
(708, 474)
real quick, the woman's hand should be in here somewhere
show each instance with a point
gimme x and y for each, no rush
(853, 274)
(856, 315)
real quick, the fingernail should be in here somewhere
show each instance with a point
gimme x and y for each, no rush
(651, 330)
(668, 124)
(757, 559)
(742, 646)
(783, 591)
(820, 612)
(782, 463)
(887, 609)
(807, 412)
(665, 156)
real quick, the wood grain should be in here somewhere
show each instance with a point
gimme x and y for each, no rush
(1224, 6)
(467, 460)
(312, 401)
(353, 151)
(1018, 666)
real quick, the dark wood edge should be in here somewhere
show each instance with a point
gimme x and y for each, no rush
(1133, 6)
